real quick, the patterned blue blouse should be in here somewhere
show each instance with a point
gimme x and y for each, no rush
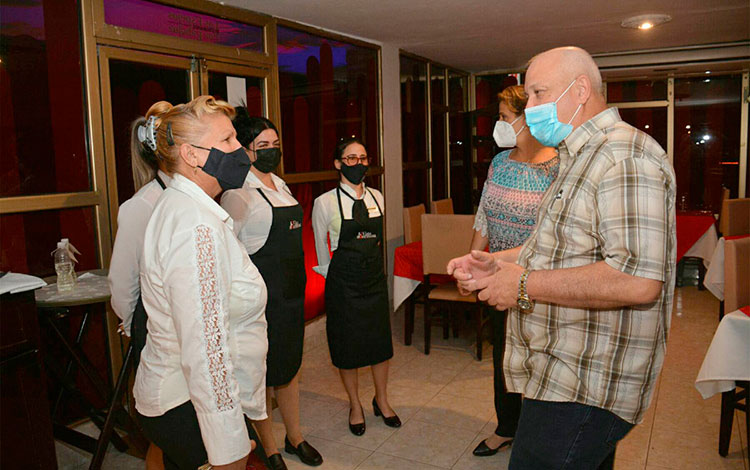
(510, 199)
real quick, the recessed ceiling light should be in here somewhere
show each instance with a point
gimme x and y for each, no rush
(687, 127)
(644, 22)
(708, 72)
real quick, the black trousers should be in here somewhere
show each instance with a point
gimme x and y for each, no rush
(507, 405)
(178, 435)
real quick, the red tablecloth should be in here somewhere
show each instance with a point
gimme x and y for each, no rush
(690, 227)
(407, 261)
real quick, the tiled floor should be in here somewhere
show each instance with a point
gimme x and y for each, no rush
(445, 403)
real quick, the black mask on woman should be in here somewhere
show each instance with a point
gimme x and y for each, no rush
(355, 173)
(229, 169)
(267, 159)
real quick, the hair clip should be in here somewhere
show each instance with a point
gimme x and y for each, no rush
(147, 133)
(170, 137)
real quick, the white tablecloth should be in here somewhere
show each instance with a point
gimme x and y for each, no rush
(705, 246)
(402, 289)
(728, 357)
(714, 280)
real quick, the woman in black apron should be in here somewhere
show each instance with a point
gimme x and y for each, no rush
(356, 292)
(268, 221)
(150, 178)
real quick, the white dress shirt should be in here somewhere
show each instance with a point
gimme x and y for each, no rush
(326, 219)
(251, 213)
(124, 266)
(206, 321)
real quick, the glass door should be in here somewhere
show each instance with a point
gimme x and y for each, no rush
(131, 81)
(239, 85)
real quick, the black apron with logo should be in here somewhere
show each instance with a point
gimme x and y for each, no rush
(356, 294)
(138, 329)
(281, 262)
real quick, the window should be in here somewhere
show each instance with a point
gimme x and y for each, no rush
(707, 131)
(459, 130)
(413, 126)
(152, 17)
(433, 132)
(43, 130)
(28, 238)
(329, 90)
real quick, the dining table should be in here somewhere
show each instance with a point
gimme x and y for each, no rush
(727, 360)
(408, 272)
(696, 235)
(714, 280)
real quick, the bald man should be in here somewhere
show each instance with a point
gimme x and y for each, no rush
(590, 292)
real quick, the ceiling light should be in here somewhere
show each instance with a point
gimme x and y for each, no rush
(707, 80)
(646, 126)
(708, 72)
(706, 137)
(687, 127)
(644, 22)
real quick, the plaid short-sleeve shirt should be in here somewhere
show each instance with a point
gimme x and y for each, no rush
(613, 201)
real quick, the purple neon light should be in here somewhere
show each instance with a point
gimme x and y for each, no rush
(153, 17)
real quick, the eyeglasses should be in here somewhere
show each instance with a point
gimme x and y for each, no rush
(354, 159)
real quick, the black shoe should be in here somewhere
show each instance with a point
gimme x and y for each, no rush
(306, 453)
(390, 421)
(276, 462)
(483, 450)
(359, 428)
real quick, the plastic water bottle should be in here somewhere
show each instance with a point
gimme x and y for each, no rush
(64, 267)
(72, 254)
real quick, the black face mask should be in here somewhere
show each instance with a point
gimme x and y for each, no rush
(229, 169)
(355, 173)
(267, 159)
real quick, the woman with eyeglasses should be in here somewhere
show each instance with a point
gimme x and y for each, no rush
(350, 216)
(268, 221)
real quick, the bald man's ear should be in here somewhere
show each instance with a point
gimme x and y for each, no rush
(583, 89)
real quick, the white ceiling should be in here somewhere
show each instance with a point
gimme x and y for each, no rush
(481, 35)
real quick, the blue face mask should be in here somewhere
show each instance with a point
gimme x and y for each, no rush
(544, 125)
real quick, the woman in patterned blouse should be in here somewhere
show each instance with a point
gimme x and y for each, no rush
(506, 216)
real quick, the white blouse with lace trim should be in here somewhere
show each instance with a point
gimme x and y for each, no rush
(207, 330)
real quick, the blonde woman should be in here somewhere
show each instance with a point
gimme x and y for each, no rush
(202, 371)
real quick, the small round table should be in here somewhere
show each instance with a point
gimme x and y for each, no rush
(91, 288)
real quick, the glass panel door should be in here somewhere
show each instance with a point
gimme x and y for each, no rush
(237, 84)
(131, 82)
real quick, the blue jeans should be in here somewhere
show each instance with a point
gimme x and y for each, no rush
(566, 436)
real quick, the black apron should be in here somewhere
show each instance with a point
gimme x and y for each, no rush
(281, 262)
(138, 329)
(356, 294)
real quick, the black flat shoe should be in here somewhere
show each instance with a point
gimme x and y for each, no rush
(390, 421)
(359, 428)
(306, 453)
(276, 462)
(483, 450)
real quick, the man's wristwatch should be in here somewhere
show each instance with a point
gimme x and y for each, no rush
(525, 304)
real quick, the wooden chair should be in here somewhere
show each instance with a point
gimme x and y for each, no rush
(447, 236)
(735, 217)
(413, 223)
(736, 295)
(443, 206)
